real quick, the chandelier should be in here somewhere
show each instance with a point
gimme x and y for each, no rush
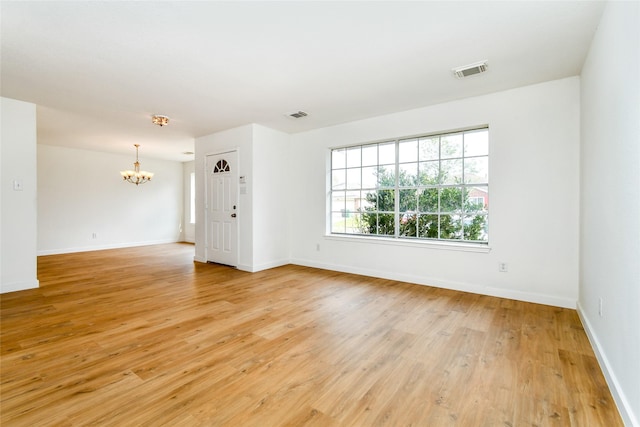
(136, 176)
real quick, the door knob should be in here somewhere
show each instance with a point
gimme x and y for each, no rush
(233, 215)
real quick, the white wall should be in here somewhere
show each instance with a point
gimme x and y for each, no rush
(81, 192)
(188, 229)
(271, 197)
(240, 138)
(534, 151)
(263, 211)
(18, 268)
(610, 202)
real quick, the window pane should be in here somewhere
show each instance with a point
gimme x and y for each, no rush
(474, 204)
(353, 157)
(369, 200)
(430, 148)
(353, 201)
(337, 222)
(428, 200)
(370, 155)
(387, 176)
(429, 172)
(369, 177)
(475, 227)
(369, 223)
(451, 146)
(476, 143)
(450, 227)
(408, 174)
(387, 153)
(477, 199)
(386, 224)
(338, 158)
(408, 225)
(338, 200)
(353, 224)
(451, 171)
(353, 178)
(408, 200)
(451, 199)
(192, 199)
(338, 179)
(476, 170)
(408, 151)
(386, 200)
(428, 226)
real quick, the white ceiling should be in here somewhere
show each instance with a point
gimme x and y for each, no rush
(99, 70)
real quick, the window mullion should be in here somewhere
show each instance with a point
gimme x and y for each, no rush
(463, 189)
(396, 215)
(439, 180)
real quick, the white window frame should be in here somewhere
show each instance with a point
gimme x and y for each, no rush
(396, 238)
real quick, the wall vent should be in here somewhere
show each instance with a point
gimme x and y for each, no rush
(298, 115)
(470, 70)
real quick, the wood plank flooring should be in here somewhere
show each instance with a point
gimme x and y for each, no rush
(146, 337)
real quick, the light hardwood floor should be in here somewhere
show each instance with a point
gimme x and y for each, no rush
(146, 337)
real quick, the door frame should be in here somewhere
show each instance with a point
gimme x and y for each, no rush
(206, 203)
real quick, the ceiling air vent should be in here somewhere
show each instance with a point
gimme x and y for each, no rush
(298, 115)
(470, 70)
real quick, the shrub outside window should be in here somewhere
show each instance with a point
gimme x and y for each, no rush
(432, 187)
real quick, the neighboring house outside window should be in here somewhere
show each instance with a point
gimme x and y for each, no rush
(432, 187)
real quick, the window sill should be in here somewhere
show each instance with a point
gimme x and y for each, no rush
(425, 244)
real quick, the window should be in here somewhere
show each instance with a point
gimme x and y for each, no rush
(192, 199)
(221, 166)
(431, 187)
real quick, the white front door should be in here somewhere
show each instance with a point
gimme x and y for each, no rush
(221, 207)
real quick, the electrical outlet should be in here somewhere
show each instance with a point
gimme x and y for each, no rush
(318, 247)
(94, 236)
(503, 267)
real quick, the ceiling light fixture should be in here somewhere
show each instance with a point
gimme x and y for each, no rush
(136, 176)
(160, 120)
(471, 69)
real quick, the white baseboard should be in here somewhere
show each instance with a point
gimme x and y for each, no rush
(446, 284)
(263, 266)
(104, 247)
(624, 407)
(252, 268)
